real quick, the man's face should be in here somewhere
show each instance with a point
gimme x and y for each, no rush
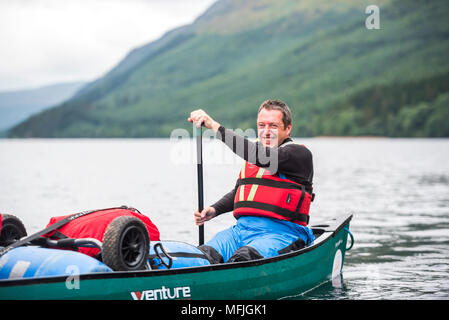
(270, 128)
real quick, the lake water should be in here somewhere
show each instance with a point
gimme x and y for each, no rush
(397, 190)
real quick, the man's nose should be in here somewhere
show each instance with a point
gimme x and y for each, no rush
(269, 130)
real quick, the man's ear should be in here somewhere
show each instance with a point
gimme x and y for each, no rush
(289, 129)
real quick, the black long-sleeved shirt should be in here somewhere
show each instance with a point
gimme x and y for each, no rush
(293, 160)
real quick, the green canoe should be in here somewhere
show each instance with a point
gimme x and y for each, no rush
(286, 275)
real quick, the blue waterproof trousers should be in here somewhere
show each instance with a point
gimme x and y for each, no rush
(258, 237)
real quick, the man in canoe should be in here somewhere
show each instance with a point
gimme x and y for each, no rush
(273, 192)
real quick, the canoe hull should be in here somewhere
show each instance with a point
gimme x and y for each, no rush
(273, 278)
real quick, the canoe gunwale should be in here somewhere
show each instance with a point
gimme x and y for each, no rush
(325, 231)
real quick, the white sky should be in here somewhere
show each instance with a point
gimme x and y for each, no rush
(51, 41)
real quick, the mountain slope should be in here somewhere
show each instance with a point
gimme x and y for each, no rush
(315, 55)
(16, 106)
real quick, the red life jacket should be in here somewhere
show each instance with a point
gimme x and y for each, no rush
(94, 225)
(260, 193)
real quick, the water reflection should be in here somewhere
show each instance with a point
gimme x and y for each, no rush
(433, 179)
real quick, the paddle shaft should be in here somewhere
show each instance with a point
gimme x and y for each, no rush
(199, 167)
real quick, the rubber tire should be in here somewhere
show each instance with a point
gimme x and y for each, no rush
(126, 244)
(11, 229)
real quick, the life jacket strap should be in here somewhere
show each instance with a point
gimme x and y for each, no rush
(270, 183)
(292, 215)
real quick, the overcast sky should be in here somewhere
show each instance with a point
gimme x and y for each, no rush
(51, 41)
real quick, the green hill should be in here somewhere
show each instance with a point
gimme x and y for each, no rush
(16, 106)
(338, 77)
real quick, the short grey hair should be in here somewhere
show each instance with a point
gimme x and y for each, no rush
(281, 106)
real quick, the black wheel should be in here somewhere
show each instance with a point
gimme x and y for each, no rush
(126, 244)
(12, 229)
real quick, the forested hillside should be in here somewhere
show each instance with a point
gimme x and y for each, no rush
(338, 77)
